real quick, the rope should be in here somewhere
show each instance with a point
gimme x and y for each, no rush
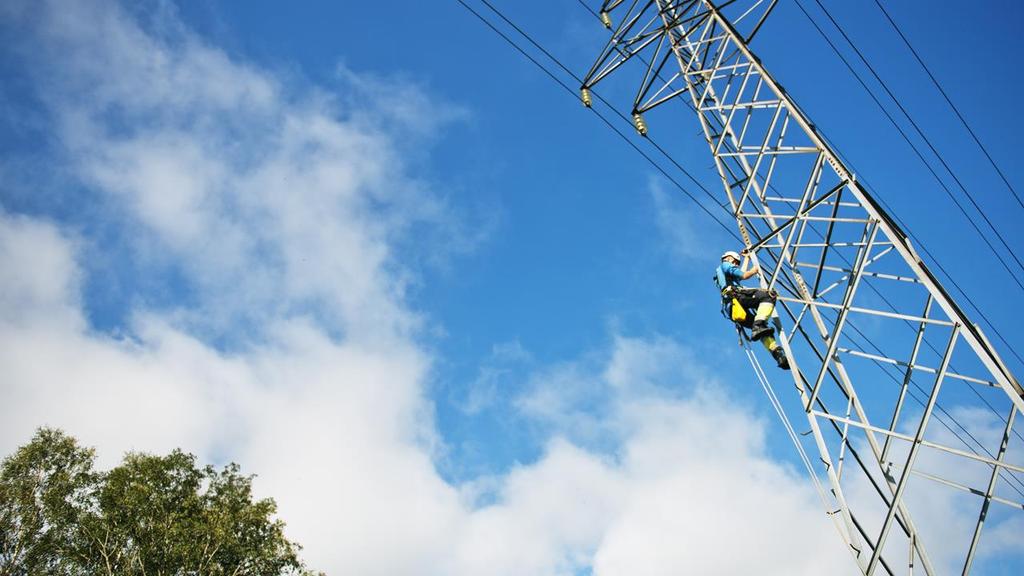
(769, 390)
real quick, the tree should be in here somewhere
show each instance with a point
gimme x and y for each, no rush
(151, 515)
(43, 486)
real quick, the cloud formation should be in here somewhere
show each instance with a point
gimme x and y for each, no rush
(680, 234)
(286, 211)
(341, 436)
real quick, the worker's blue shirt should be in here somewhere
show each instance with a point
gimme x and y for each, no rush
(732, 273)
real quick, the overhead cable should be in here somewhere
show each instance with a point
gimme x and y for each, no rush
(949, 193)
(918, 241)
(956, 110)
(626, 119)
(893, 213)
(570, 91)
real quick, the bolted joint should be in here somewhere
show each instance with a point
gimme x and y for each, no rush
(639, 124)
(585, 95)
(606, 20)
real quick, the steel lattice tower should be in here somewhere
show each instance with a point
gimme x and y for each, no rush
(908, 406)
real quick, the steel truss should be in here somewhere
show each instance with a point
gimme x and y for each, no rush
(872, 336)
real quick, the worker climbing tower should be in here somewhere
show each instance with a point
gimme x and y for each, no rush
(905, 402)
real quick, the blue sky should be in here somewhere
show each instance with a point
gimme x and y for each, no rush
(372, 242)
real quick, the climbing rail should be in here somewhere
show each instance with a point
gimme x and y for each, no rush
(908, 406)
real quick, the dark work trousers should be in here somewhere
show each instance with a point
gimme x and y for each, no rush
(750, 298)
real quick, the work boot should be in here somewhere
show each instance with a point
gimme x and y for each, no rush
(760, 329)
(780, 358)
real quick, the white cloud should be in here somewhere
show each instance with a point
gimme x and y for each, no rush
(944, 517)
(339, 435)
(494, 376)
(283, 211)
(679, 232)
(694, 483)
(38, 280)
(298, 197)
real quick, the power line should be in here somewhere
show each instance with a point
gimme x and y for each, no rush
(920, 243)
(949, 277)
(919, 131)
(589, 9)
(558, 62)
(939, 414)
(615, 110)
(924, 248)
(573, 94)
(886, 369)
(911, 393)
(951, 105)
(569, 90)
(928, 142)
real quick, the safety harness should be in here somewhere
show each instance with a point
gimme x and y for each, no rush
(732, 310)
(731, 307)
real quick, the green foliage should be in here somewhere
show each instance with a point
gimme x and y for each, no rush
(152, 515)
(43, 488)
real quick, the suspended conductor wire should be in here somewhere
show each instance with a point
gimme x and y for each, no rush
(913, 146)
(917, 128)
(951, 105)
(885, 368)
(942, 411)
(625, 138)
(942, 161)
(621, 135)
(949, 277)
(964, 294)
(615, 110)
(539, 46)
(589, 9)
(921, 244)
(912, 394)
(906, 228)
(552, 57)
(773, 399)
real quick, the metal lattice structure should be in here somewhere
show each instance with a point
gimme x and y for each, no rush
(908, 406)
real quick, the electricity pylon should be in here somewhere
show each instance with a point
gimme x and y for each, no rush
(908, 405)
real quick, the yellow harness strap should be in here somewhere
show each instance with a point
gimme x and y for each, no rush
(737, 313)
